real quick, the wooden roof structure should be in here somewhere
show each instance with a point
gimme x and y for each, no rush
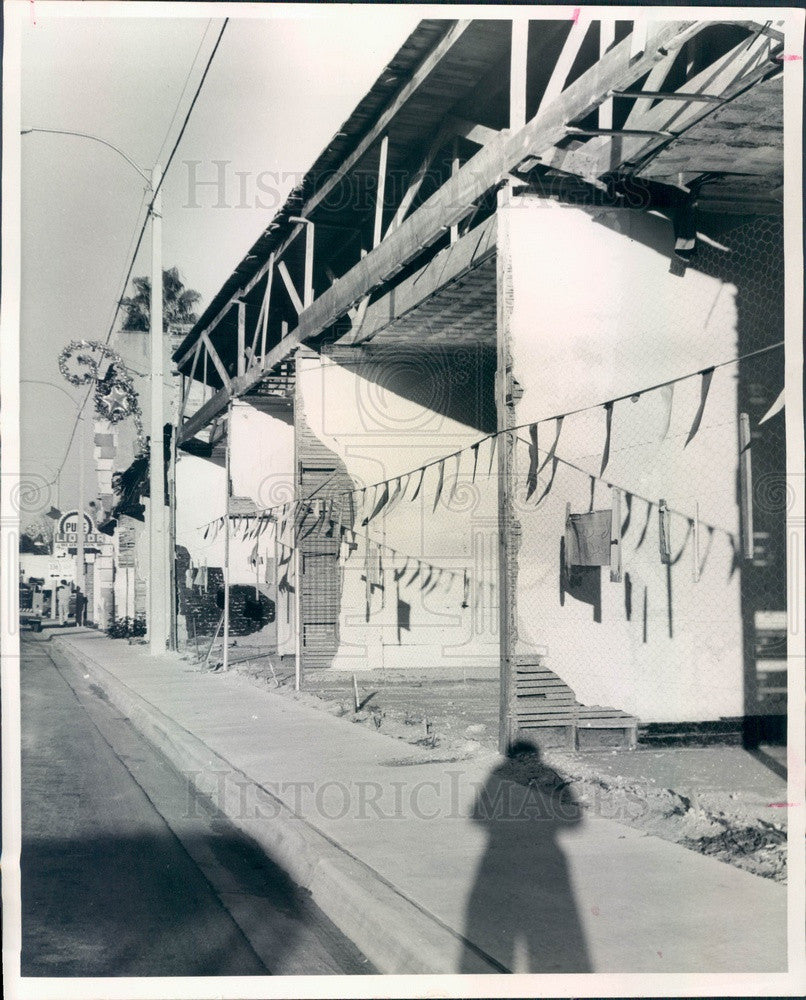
(399, 207)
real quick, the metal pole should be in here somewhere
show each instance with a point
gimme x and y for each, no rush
(225, 657)
(80, 515)
(158, 563)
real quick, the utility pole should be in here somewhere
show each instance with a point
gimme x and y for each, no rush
(80, 518)
(158, 596)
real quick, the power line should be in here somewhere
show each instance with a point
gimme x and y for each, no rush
(184, 88)
(119, 302)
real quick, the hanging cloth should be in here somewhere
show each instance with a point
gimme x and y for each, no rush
(705, 385)
(419, 483)
(440, 482)
(531, 478)
(493, 440)
(608, 431)
(776, 407)
(458, 457)
(379, 505)
(475, 450)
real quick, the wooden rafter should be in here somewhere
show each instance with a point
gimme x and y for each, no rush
(223, 374)
(457, 196)
(293, 294)
(188, 387)
(724, 78)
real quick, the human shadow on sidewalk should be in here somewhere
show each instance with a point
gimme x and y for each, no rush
(521, 910)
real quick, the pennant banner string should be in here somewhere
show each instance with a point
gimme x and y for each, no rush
(705, 374)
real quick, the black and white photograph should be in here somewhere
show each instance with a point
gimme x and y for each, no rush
(402, 500)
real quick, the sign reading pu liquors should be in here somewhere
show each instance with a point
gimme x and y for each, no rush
(68, 530)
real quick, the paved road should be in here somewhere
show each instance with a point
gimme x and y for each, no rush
(123, 874)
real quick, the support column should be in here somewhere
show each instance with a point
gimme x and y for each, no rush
(508, 527)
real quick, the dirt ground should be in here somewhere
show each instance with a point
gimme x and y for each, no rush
(719, 800)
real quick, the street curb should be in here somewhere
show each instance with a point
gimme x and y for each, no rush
(393, 932)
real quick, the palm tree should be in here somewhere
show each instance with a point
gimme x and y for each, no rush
(177, 303)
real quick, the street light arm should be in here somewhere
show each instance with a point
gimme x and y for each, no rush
(53, 385)
(95, 138)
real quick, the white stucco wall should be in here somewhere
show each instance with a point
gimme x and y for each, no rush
(597, 313)
(378, 434)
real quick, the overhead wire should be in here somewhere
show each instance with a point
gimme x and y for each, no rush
(141, 234)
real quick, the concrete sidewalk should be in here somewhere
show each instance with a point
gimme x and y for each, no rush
(438, 865)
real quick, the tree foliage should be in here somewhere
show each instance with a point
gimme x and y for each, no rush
(178, 302)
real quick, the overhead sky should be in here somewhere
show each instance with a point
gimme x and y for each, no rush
(278, 89)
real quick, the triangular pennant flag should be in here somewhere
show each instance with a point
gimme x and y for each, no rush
(415, 574)
(707, 375)
(419, 483)
(667, 395)
(436, 580)
(776, 407)
(400, 573)
(475, 450)
(555, 462)
(608, 429)
(207, 531)
(550, 456)
(381, 503)
(531, 478)
(465, 589)
(458, 457)
(397, 493)
(440, 481)
(493, 440)
(394, 494)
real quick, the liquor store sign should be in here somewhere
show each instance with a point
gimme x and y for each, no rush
(68, 530)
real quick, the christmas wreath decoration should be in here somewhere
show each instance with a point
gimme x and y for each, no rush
(82, 361)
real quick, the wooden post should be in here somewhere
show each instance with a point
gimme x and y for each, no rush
(518, 63)
(508, 527)
(607, 36)
(297, 561)
(241, 368)
(267, 300)
(376, 239)
(745, 486)
(454, 172)
(307, 295)
(615, 536)
(228, 492)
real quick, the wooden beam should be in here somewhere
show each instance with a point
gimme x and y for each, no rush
(518, 63)
(223, 374)
(726, 76)
(562, 67)
(453, 200)
(296, 301)
(668, 95)
(307, 294)
(473, 132)
(656, 77)
(187, 389)
(449, 264)
(241, 364)
(419, 176)
(746, 485)
(263, 315)
(607, 37)
(381, 191)
(455, 164)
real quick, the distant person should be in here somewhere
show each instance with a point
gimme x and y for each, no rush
(63, 599)
(81, 607)
(522, 910)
